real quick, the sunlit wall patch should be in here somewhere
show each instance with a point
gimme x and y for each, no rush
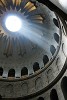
(63, 3)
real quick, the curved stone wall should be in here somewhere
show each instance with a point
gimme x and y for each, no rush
(12, 87)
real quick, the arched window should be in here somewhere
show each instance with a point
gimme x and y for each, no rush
(55, 22)
(36, 66)
(0, 97)
(64, 87)
(52, 49)
(1, 71)
(40, 98)
(56, 37)
(53, 95)
(11, 73)
(45, 59)
(24, 71)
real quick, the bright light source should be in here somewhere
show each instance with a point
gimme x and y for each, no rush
(63, 3)
(13, 23)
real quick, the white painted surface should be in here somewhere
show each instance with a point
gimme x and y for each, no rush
(62, 4)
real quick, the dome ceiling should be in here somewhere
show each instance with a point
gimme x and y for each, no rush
(22, 9)
(35, 44)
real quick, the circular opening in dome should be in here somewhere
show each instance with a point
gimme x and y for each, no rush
(13, 23)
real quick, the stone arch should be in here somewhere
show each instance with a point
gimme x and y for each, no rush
(38, 83)
(50, 75)
(9, 91)
(11, 73)
(1, 71)
(0, 97)
(52, 49)
(55, 22)
(56, 37)
(63, 49)
(40, 98)
(64, 87)
(58, 60)
(24, 88)
(45, 59)
(36, 66)
(53, 95)
(24, 71)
